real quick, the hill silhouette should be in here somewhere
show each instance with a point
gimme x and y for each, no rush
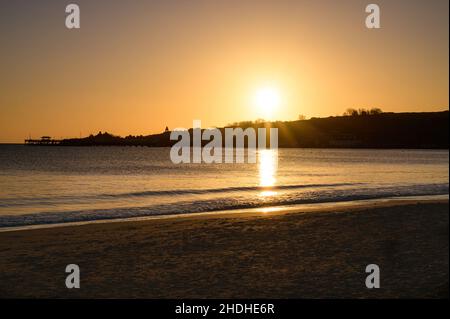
(354, 130)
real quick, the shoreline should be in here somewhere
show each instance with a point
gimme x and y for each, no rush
(319, 253)
(272, 210)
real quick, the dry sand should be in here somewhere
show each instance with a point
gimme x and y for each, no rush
(287, 254)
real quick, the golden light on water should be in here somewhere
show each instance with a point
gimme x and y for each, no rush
(270, 209)
(268, 162)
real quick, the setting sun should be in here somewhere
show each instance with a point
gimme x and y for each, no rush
(267, 100)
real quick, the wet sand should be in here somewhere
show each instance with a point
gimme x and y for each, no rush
(320, 253)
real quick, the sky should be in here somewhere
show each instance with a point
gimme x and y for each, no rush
(135, 67)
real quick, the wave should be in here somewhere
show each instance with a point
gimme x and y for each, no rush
(9, 202)
(316, 194)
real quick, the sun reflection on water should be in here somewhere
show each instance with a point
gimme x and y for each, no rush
(268, 162)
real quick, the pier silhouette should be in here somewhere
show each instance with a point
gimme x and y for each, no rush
(44, 140)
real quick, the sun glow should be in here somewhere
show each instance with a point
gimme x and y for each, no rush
(267, 100)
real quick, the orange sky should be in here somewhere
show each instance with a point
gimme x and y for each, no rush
(135, 67)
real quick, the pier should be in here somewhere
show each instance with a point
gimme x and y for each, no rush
(44, 140)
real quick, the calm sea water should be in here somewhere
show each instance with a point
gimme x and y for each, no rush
(40, 185)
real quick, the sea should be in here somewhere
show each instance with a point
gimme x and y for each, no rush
(42, 185)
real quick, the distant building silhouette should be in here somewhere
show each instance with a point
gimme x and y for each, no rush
(375, 129)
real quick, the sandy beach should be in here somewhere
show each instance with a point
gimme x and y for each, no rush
(319, 253)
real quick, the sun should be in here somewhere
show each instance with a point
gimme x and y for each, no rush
(267, 100)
